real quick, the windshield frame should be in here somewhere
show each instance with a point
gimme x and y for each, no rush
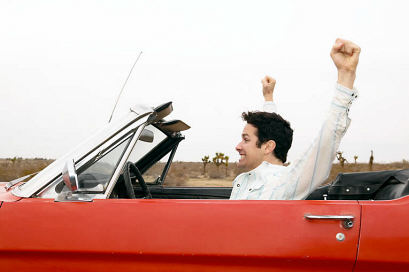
(79, 154)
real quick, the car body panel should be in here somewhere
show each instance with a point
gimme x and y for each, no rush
(6, 195)
(384, 238)
(182, 235)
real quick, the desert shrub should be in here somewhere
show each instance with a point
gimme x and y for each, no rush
(13, 168)
(215, 172)
(176, 175)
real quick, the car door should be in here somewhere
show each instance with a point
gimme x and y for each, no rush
(177, 235)
(384, 236)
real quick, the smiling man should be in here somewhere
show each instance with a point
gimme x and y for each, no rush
(267, 137)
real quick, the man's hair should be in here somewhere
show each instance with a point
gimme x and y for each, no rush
(271, 126)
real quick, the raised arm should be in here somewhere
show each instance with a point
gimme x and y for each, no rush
(268, 90)
(345, 55)
(313, 168)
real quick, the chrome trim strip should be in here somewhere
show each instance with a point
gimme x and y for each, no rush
(17, 180)
(123, 160)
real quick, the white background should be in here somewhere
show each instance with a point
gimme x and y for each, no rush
(62, 65)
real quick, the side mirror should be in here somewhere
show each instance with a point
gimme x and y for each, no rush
(69, 176)
(146, 136)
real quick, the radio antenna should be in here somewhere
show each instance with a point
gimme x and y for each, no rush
(123, 86)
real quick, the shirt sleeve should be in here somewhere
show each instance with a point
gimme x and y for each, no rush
(313, 168)
(270, 106)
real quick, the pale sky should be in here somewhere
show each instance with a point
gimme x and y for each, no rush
(63, 63)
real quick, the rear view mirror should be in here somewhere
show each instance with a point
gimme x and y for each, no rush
(69, 176)
(146, 136)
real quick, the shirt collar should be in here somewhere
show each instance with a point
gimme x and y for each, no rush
(264, 165)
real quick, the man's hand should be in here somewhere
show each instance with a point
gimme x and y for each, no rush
(268, 87)
(345, 55)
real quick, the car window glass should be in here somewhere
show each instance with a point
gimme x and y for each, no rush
(141, 148)
(97, 176)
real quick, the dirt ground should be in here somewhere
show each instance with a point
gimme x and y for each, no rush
(205, 182)
(185, 173)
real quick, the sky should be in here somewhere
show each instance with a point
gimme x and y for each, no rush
(63, 63)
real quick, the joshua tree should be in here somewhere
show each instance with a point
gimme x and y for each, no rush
(371, 160)
(341, 159)
(355, 158)
(218, 160)
(205, 161)
(226, 162)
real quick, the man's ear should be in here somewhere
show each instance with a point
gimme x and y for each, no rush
(269, 146)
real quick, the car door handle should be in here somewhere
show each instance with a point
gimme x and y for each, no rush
(348, 220)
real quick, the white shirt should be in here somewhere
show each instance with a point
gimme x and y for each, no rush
(299, 179)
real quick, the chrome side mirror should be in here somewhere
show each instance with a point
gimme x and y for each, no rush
(146, 136)
(69, 176)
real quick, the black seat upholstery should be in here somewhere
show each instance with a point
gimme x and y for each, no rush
(382, 185)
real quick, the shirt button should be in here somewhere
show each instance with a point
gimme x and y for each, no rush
(250, 189)
(238, 185)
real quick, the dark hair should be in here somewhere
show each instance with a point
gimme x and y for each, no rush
(271, 126)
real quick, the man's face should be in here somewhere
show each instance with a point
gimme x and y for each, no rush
(251, 156)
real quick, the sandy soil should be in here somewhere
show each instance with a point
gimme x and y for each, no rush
(195, 182)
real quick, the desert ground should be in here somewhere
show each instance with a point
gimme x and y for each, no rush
(186, 173)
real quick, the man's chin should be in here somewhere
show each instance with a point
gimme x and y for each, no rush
(241, 165)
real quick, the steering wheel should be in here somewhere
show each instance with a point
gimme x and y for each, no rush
(129, 166)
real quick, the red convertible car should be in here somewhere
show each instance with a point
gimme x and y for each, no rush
(98, 208)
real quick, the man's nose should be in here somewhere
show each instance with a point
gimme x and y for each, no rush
(238, 147)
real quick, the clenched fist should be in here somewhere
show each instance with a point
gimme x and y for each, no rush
(345, 55)
(268, 87)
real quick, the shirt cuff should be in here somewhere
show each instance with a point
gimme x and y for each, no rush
(270, 106)
(344, 96)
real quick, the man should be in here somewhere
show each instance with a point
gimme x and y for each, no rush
(267, 137)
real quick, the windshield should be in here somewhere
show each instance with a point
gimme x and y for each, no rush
(94, 176)
(82, 152)
(97, 176)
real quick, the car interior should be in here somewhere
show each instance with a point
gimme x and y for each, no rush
(382, 185)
